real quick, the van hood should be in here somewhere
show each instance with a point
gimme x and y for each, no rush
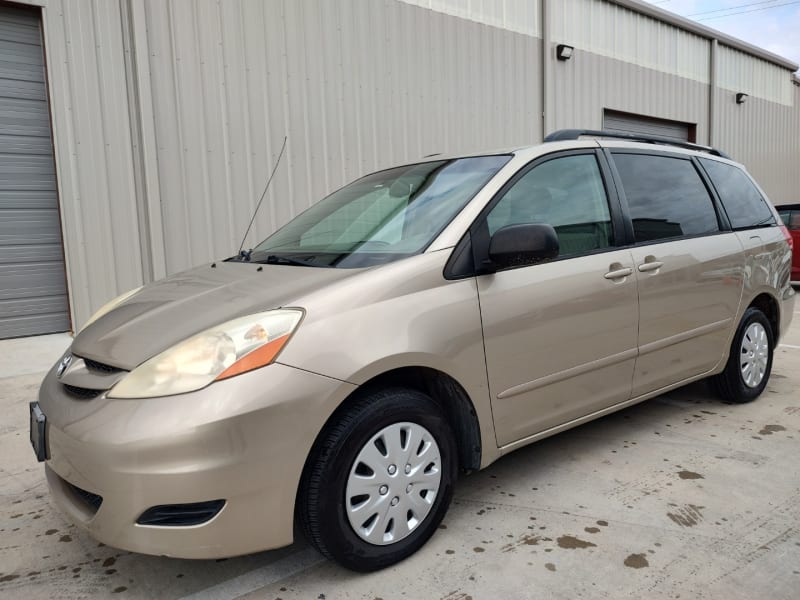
(171, 310)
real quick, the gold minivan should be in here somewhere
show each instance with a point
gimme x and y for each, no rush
(420, 322)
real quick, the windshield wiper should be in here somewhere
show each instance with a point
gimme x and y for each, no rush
(275, 259)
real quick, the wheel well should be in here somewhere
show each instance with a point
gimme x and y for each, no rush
(447, 393)
(769, 306)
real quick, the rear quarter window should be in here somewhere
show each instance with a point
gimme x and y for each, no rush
(666, 197)
(743, 203)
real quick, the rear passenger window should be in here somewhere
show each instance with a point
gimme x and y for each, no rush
(666, 197)
(742, 201)
(565, 192)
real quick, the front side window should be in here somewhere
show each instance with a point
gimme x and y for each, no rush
(382, 217)
(565, 192)
(741, 200)
(666, 197)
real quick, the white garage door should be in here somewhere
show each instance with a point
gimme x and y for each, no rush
(33, 291)
(620, 122)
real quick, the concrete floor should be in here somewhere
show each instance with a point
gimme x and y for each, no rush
(679, 497)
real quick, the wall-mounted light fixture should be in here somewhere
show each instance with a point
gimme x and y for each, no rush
(564, 52)
(741, 98)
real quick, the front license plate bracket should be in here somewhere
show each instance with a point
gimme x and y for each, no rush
(38, 429)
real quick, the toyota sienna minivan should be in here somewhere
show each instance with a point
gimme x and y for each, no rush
(420, 322)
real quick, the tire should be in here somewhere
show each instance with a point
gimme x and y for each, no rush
(339, 526)
(732, 384)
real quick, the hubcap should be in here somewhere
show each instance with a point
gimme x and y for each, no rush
(754, 354)
(385, 504)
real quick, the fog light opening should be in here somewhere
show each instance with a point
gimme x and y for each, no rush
(181, 515)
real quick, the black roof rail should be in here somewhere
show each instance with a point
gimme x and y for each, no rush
(573, 134)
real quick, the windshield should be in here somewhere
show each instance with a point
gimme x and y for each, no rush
(382, 217)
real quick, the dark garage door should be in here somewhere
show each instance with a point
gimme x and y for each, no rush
(620, 122)
(33, 291)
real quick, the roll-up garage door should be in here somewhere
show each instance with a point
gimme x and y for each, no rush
(33, 290)
(620, 122)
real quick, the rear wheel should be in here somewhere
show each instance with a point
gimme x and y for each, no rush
(750, 362)
(379, 480)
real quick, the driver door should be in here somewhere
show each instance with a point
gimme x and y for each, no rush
(560, 336)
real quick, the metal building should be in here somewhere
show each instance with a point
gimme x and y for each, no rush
(166, 116)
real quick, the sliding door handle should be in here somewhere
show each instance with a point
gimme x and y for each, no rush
(650, 266)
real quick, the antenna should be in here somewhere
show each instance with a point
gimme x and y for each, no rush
(263, 195)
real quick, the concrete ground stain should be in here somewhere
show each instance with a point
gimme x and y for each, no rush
(591, 529)
(572, 543)
(477, 549)
(603, 523)
(550, 566)
(524, 540)
(689, 475)
(770, 429)
(636, 561)
(687, 516)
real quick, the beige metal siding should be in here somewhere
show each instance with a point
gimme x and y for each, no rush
(93, 151)
(521, 16)
(615, 32)
(588, 83)
(765, 137)
(741, 72)
(356, 86)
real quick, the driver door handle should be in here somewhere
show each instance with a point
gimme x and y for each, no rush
(618, 273)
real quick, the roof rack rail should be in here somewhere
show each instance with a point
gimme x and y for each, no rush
(573, 134)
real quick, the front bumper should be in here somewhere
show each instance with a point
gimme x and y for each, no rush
(244, 440)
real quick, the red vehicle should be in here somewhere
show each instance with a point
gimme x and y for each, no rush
(790, 215)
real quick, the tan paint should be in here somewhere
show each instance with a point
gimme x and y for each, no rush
(686, 308)
(546, 321)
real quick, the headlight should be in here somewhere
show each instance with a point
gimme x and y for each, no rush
(109, 306)
(223, 351)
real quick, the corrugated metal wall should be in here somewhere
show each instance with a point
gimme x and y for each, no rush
(355, 85)
(91, 132)
(742, 72)
(522, 16)
(609, 30)
(628, 62)
(765, 137)
(588, 83)
(168, 114)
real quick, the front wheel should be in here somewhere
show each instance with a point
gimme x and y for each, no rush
(379, 480)
(750, 362)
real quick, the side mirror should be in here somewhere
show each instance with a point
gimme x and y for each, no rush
(521, 245)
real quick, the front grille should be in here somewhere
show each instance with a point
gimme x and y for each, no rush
(82, 393)
(92, 501)
(181, 515)
(99, 367)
